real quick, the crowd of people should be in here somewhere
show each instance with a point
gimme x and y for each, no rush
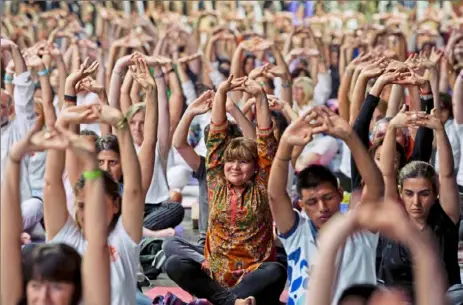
(325, 138)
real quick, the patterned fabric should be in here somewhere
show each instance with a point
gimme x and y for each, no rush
(171, 299)
(240, 236)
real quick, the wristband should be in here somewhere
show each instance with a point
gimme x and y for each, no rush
(8, 79)
(122, 123)
(92, 175)
(70, 98)
(426, 97)
(44, 72)
(288, 85)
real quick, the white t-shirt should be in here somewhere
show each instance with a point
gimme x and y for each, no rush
(454, 133)
(159, 189)
(344, 167)
(357, 260)
(36, 168)
(124, 258)
(17, 128)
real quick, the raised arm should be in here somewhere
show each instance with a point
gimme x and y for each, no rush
(23, 85)
(201, 105)
(448, 188)
(369, 172)
(246, 126)
(126, 101)
(147, 152)
(299, 133)
(95, 264)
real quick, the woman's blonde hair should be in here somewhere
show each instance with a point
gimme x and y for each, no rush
(307, 86)
(241, 149)
(419, 169)
(134, 109)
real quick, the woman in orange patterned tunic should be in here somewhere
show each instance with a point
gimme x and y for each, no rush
(239, 266)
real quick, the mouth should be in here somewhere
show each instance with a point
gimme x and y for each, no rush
(325, 218)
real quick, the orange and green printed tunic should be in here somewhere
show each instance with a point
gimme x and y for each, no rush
(239, 236)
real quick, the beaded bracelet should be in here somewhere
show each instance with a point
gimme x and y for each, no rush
(44, 72)
(122, 123)
(91, 175)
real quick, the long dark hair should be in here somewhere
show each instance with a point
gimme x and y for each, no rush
(52, 262)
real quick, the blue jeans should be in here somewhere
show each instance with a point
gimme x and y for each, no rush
(143, 299)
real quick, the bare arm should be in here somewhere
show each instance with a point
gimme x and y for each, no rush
(147, 152)
(179, 141)
(395, 100)
(11, 228)
(126, 101)
(449, 198)
(246, 126)
(95, 265)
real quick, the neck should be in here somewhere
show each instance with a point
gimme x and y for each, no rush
(419, 223)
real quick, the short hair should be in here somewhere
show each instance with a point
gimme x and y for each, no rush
(361, 291)
(55, 262)
(233, 131)
(314, 175)
(107, 142)
(134, 109)
(241, 149)
(418, 169)
(88, 132)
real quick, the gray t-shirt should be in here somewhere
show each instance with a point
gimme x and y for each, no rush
(200, 174)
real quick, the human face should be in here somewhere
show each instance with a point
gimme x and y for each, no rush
(239, 172)
(378, 154)
(41, 292)
(5, 106)
(249, 65)
(298, 94)
(418, 196)
(320, 203)
(109, 161)
(111, 208)
(137, 124)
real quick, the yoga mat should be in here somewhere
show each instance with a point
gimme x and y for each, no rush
(186, 297)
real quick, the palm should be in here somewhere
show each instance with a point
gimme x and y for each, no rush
(298, 133)
(108, 114)
(34, 61)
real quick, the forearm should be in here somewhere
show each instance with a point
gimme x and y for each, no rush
(163, 115)
(248, 129)
(129, 160)
(263, 116)
(343, 94)
(62, 74)
(357, 97)
(368, 170)
(11, 229)
(395, 100)
(180, 138)
(19, 63)
(219, 113)
(115, 86)
(47, 100)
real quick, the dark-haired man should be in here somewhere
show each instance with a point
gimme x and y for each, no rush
(320, 198)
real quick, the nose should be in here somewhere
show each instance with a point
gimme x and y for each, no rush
(105, 166)
(322, 205)
(43, 295)
(416, 200)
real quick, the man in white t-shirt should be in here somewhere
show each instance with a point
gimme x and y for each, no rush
(16, 129)
(320, 198)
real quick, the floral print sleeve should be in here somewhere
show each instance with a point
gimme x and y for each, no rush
(266, 150)
(216, 144)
